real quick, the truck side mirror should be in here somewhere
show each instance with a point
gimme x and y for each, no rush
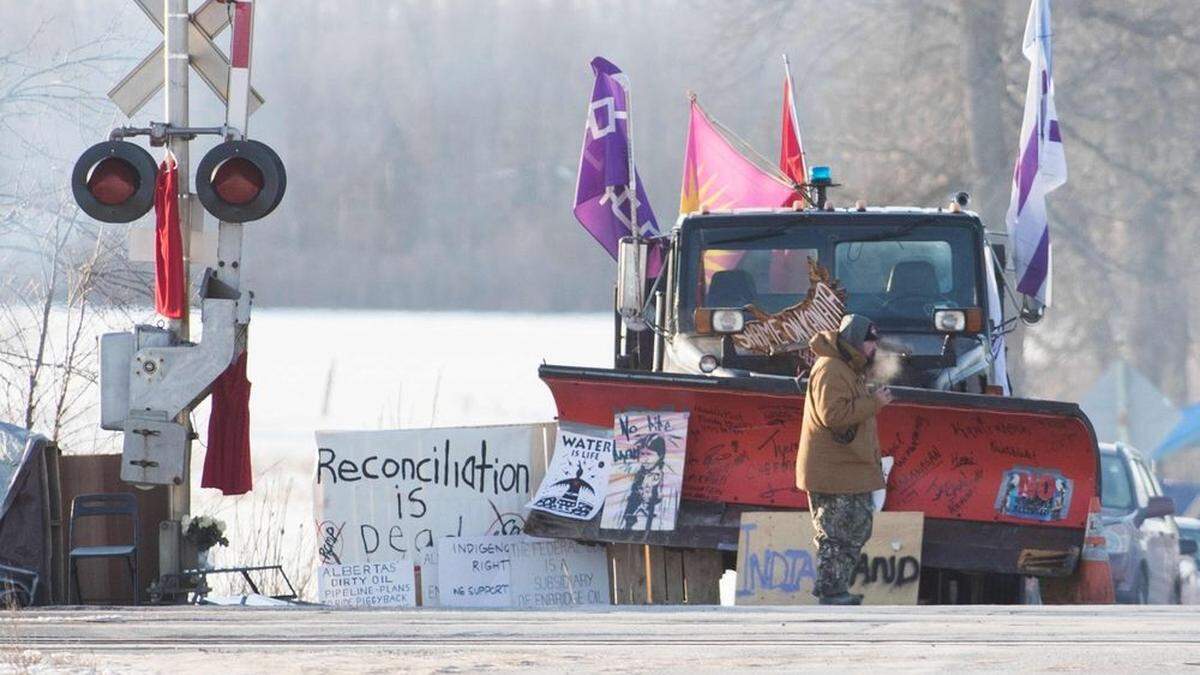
(631, 282)
(1157, 507)
(1187, 546)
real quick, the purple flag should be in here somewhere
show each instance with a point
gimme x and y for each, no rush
(601, 194)
(1041, 163)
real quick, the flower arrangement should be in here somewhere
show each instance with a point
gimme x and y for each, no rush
(204, 532)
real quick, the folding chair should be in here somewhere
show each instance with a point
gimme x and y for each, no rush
(87, 506)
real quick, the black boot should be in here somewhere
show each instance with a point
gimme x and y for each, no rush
(842, 599)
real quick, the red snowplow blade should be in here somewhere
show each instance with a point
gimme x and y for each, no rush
(988, 472)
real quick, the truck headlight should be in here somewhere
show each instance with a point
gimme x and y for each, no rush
(708, 363)
(728, 321)
(968, 319)
(950, 320)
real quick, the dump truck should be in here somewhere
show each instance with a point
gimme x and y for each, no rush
(1004, 483)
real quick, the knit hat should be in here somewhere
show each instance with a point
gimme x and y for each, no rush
(856, 329)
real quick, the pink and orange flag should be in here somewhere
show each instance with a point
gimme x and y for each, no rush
(716, 176)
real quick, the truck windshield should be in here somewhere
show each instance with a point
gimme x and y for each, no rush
(896, 269)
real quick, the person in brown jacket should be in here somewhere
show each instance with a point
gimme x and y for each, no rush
(838, 461)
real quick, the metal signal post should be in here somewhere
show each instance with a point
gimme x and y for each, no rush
(176, 71)
(152, 378)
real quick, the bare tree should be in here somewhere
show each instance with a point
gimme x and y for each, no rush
(61, 271)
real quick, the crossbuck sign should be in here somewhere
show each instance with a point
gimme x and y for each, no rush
(204, 25)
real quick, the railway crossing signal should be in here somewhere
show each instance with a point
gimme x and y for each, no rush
(153, 376)
(240, 181)
(113, 181)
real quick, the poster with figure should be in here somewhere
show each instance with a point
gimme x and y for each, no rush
(577, 477)
(646, 479)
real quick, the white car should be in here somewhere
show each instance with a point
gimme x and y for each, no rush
(1189, 562)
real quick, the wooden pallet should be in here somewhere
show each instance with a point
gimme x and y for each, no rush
(659, 575)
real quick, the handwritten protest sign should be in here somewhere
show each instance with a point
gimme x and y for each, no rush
(521, 571)
(577, 477)
(777, 560)
(647, 474)
(391, 495)
(378, 584)
(475, 571)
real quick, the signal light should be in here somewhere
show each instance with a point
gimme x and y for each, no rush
(240, 181)
(113, 181)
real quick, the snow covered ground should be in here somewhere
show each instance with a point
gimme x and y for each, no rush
(1115, 638)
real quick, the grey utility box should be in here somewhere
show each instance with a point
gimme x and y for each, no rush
(155, 452)
(116, 367)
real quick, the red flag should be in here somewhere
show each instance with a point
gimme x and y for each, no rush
(168, 243)
(791, 151)
(227, 460)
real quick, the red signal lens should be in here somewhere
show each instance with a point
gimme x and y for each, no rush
(112, 181)
(237, 181)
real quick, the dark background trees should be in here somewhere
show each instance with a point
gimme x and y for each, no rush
(432, 146)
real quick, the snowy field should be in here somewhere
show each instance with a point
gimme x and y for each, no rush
(319, 369)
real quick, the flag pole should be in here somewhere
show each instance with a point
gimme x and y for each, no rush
(632, 189)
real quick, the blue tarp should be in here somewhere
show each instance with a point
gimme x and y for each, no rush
(1186, 434)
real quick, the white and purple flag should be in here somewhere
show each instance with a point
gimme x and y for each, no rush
(601, 193)
(1041, 162)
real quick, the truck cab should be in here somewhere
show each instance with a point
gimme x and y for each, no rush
(929, 279)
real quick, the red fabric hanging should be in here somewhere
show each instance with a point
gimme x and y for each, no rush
(227, 462)
(168, 243)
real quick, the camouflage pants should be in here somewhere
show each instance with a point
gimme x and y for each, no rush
(843, 524)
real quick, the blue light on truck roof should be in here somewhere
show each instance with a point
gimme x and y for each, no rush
(820, 175)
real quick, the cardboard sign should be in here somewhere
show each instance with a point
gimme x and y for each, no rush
(647, 475)
(521, 571)
(577, 477)
(821, 309)
(777, 560)
(379, 584)
(475, 571)
(391, 495)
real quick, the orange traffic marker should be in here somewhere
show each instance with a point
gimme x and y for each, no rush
(1091, 584)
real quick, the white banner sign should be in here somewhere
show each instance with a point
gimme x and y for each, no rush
(521, 571)
(577, 478)
(382, 584)
(391, 495)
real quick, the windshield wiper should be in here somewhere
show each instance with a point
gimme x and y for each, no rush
(893, 234)
(774, 231)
